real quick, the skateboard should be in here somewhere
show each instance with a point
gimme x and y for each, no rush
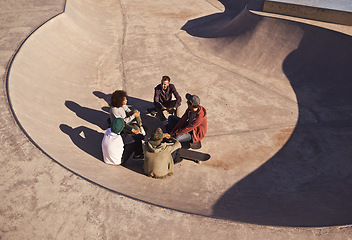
(193, 155)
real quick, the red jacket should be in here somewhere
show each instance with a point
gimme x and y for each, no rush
(198, 128)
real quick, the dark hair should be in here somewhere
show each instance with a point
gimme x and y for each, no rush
(117, 98)
(165, 78)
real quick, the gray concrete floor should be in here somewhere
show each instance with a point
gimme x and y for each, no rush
(281, 166)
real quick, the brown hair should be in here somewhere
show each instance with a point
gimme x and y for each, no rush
(117, 98)
(165, 78)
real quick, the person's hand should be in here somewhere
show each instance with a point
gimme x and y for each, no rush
(171, 110)
(135, 131)
(136, 114)
(167, 136)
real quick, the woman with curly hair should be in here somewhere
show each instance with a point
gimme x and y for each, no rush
(119, 109)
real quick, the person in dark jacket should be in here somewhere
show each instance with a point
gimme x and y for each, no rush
(163, 99)
(192, 127)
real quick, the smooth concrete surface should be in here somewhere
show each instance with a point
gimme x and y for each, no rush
(279, 122)
(339, 12)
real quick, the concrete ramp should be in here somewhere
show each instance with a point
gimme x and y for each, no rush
(277, 94)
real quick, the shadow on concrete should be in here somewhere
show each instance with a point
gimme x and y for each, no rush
(89, 140)
(222, 24)
(86, 139)
(93, 116)
(106, 97)
(307, 182)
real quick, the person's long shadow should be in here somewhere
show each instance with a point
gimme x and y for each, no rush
(86, 139)
(308, 181)
(106, 97)
(93, 116)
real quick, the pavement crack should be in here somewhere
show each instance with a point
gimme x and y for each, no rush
(124, 27)
(248, 131)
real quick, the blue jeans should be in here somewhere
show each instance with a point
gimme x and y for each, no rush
(172, 121)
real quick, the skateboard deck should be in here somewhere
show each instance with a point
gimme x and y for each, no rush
(193, 155)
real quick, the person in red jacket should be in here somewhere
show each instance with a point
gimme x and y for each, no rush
(192, 126)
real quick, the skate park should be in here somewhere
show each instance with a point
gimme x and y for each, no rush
(277, 92)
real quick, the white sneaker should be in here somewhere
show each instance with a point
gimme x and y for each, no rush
(142, 131)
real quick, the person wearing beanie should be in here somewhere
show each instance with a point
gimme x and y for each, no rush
(163, 99)
(192, 126)
(117, 147)
(159, 156)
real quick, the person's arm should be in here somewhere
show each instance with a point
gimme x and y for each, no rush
(157, 102)
(171, 166)
(179, 124)
(177, 96)
(175, 146)
(128, 128)
(127, 119)
(191, 126)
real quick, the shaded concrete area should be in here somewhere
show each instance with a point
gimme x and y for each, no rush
(294, 187)
(286, 149)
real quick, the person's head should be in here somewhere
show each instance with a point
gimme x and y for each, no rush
(193, 101)
(165, 82)
(118, 98)
(117, 125)
(156, 137)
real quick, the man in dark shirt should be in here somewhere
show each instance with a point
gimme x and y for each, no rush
(163, 99)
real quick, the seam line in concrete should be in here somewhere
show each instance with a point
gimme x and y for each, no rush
(124, 28)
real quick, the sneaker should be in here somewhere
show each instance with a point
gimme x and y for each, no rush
(142, 130)
(138, 157)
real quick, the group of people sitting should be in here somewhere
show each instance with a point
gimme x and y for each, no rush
(126, 134)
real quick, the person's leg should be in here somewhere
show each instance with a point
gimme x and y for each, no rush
(184, 137)
(132, 125)
(172, 121)
(138, 150)
(138, 119)
(177, 112)
(127, 152)
(171, 105)
(160, 114)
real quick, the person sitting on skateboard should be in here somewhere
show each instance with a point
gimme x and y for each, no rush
(163, 99)
(159, 156)
(192, 127)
